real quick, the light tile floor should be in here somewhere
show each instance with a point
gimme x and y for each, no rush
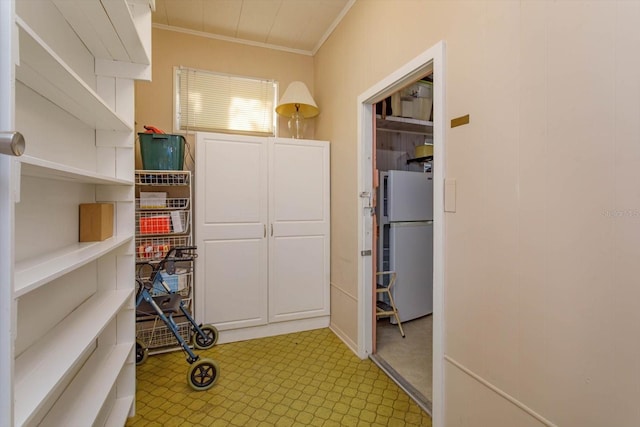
(303, 379)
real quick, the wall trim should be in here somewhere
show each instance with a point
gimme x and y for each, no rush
(344, 292)
(499, 391)
(332, 27)
(232, 39)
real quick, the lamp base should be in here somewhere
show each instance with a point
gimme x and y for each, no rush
(297, 126)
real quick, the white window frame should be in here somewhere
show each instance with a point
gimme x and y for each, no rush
(176, 104)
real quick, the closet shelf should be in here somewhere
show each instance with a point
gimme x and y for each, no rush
(420, 159)
(162, 178)
(46, 73)
(107, 28)
(120, 412)
(403, 125)
(171, 203)
(44, 367)
(39, 168)
(151, 223)
(35, 272)
(83, 398)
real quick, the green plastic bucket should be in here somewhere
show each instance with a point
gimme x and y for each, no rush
(161, 151)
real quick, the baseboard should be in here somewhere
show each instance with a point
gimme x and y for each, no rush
(272, 329)
(345, 338)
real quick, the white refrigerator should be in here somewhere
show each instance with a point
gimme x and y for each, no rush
(405, 213)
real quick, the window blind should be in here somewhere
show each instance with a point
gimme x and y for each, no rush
(208, 101)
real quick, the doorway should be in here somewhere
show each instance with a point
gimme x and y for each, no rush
(430, 62)
(403, 237)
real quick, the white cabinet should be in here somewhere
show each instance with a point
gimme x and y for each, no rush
(262, 230)
(67, 315)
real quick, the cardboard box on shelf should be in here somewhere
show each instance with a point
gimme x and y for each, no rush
(96, 221)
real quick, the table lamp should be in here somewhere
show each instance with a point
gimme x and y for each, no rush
(298, 105)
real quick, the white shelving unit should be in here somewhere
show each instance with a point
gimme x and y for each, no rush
(45, 72)
(68, 315)
(160, 226)
(36, 379)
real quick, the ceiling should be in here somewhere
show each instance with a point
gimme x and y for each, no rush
(295, 25)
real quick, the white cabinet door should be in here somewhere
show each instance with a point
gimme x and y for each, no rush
(299, 241)
(231, 230)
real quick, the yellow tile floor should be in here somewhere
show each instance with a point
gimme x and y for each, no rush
(302, 379)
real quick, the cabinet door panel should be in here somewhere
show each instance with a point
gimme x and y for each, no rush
(298, 179)
(298, 272)
(231, 227)
(235, 290)
(234, 184)
(299, 243)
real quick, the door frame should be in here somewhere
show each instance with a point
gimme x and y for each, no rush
(433, 58)
(9, 170)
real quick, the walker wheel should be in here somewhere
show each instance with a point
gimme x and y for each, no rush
(207, 341)
(142, 352)
(203, 374)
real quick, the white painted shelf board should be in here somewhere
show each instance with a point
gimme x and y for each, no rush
(35, 272)
(125, 27)
(403, 124)
(45, 72)
(39, 168)
(40, 369)
(107, 28)
(120, 412)
(84, 397)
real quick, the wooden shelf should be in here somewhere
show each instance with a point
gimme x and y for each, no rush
(46, 73)
(420, 159)
(35, 272)
(107, 28)
(404, 125)
(84, 397)
(40, 370)
(39, 168)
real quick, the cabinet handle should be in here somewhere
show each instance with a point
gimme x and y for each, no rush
(271, 229)
(11, 143)
(265, 230)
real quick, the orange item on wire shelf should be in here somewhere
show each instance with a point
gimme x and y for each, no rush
(160, 224)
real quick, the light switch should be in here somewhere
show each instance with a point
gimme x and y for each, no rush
(450, 195)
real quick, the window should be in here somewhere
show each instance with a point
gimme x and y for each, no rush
(214, 102)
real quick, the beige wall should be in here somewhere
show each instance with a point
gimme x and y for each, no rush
(154, 100)
(542, 254)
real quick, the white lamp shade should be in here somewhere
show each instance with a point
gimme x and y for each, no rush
(297, 94)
